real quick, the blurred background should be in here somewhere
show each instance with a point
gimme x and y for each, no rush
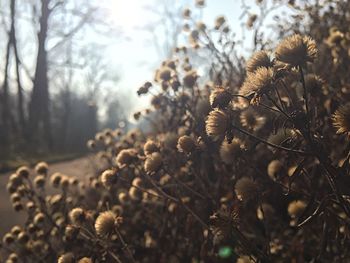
(71, 68)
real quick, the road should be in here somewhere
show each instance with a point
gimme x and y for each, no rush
(80, 168)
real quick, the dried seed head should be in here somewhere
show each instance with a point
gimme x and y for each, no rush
(135, 193)
(190, 79)
(23, 171)
(217, 123)
(282, 136)
(200, 3)
(259, 59)
(153, 162)
(85, 260)
(17, 206)
(91, 144)
(341, 119)
(220, 98)
(66, 258)
(296, 50)
(39, 219)
(105, 223)
(296, 208)
(274, 169)
(39, 181)
(41, 168)
(150, 147)
(125, 157)
(71, 232)
(23, 237)
(15, 180)
(258, 83)
(16, 230)
(77, 216)
(186, 144)
(219, 21)
(55, 179)
(108, 177)
(8, 239)
(165, 74)
(251, 119)
(313, 84)
(246, 188)
(229, 152)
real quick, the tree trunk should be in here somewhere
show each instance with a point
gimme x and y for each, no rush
(5, 100)
(20, 101)
(39, 110)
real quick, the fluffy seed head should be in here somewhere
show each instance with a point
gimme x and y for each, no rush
(186, 144)
(125, 157)
(153, 162)
(105, 223)
(55, 179)
(219, 98)
(259, 59)
(85, 260)
(39, 181)
(230, 151)
(274, 168)
(108, 177)
(217, 123)
(77, 216)
(219, 21)
(66, 258)
(23, 171)
(42, 168)
(190, 79)
(296, 208)
(150, 147)
(246, 188)
(258, 83)
(296, 50)
(252, 120)
(341, 119)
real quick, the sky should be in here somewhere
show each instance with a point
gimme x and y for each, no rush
(136, 57)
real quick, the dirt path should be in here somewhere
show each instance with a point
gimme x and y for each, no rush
(80, 168)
